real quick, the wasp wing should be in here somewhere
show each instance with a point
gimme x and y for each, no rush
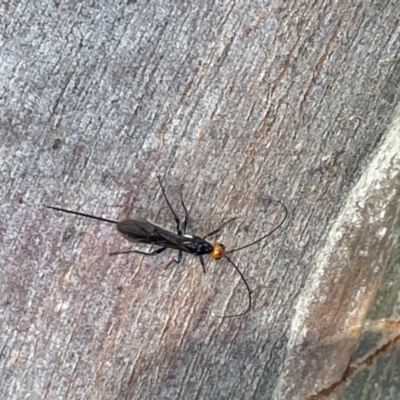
(140, 230)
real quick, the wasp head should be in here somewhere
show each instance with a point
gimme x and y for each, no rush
(218, 251)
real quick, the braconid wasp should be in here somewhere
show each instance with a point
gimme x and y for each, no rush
(140, 230)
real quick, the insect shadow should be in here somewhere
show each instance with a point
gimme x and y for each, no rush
(140, 230)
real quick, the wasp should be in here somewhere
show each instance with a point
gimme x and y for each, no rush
(140, 230)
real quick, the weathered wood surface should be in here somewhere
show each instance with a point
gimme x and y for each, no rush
(239, 102)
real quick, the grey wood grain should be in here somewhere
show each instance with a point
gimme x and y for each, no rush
(239, 102)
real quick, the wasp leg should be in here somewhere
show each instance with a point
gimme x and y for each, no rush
(144, 253)
(218, 229)
(178, 224)
(186, 221)
(178, 261)
(202, 263)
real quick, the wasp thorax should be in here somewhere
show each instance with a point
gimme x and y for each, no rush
(218, 251)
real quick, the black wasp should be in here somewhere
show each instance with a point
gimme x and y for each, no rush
(139, 230)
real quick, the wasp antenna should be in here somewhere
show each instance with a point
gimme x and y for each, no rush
(269, 233)
(110, 221)
(248, 292)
